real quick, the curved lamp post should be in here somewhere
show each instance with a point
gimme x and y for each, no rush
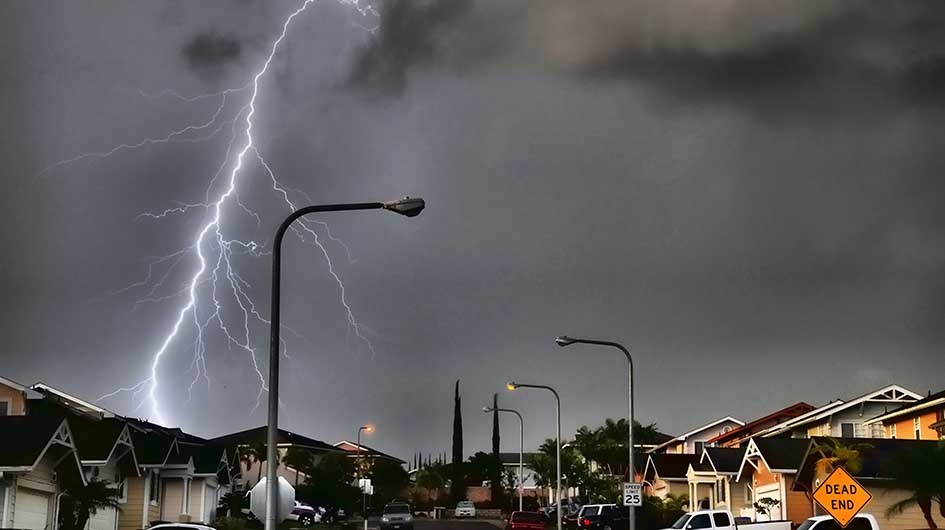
(408, 207)
(512, 386)
(521, 448)
(564, 341)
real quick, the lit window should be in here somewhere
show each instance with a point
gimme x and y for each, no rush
(892, 430)
(917, 426)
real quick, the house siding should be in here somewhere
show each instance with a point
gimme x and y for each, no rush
(912, 518)
(16, 399)
(905, 429)
(799, 506)
(132, 510)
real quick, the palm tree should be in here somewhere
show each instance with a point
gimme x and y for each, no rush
(836, 454)
(79, 502)
(920, 472)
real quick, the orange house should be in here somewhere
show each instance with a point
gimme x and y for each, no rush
(769, 468)
(922, 420)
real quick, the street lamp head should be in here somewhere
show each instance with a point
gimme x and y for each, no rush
(411, 207)
(564, 340)
(368, 428)
(511, 385)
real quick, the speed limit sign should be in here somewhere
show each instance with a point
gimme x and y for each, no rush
(632, 494)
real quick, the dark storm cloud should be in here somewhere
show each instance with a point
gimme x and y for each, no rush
(753, 50)
(212, 49)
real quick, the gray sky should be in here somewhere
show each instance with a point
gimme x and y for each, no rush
(746, 193)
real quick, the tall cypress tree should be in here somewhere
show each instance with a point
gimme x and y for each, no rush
(495, 475)
(458, 489)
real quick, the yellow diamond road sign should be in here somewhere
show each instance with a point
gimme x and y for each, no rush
(842, 496)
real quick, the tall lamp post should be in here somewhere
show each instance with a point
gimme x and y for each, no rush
(521, 448)
(368, 429)
(564, 341)
(511, 385)
(406, 206)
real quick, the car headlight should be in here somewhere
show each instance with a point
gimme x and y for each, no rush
(408, 518)
(385, 519)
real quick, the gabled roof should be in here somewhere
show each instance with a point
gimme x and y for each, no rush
(668, 466)
(97, 438)
(285, 438)
(887, 394)
(780, 455)
(207, 459)
(931, 400)
(724, 460)
(352, 447)
(745, 430)
(35, 435)
(878, 456)
(152, 448)
(683, 437)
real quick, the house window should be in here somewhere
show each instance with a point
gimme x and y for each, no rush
(4, 407)
(917, 426)
(699, 446)
(847, 430)
(892, 430)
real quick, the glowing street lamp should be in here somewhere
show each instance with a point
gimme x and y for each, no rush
(409, 207)
(512, 386)
(368, 429)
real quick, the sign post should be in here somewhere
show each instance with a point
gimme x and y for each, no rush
(632, 494)
(842, 496)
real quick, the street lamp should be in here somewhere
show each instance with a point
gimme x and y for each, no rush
(564, 341)
(368, 429)
(410, 207)
(512, 386)
(521, 448)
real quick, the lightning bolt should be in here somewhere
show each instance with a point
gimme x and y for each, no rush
(211, 247)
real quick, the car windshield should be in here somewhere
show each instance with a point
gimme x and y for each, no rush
(526, 517)
(806, 525)
(397, 508)
(681, 522)
(465, 504)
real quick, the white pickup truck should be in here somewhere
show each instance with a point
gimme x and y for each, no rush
(863, 521)
(723, 520)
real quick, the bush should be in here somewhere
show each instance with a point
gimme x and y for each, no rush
(229, 523)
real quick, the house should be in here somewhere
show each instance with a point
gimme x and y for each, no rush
(35, 464)
(878, 458)
(735, 437)
(920, 420)
(666, 474)
(250, 470)
(693, 441)
(510, 462)
(847, 419)
(713, 482)
(768, 469)
(14, 396)
(142, 504)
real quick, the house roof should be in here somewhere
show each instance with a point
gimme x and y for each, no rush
(352, 447)
(746, 430)
(669, 465)
(152, 448)
(887, 394)
(929, 401)
(33, 433)
(780, 455)
(724, 460)
(95, 436)
(258, 435)
(78, 405)
(682, 437)
(207, 459)
(878, 456)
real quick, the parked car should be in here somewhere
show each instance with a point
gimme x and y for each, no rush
(181, 526)
(722, 520)
(397, 516)
(863, 521)
(465, 509)
(526, 521)
(306, 515)
(602, 517)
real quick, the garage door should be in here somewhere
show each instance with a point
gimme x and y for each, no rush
(104, 519)
(770, 491)
(30, 509)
